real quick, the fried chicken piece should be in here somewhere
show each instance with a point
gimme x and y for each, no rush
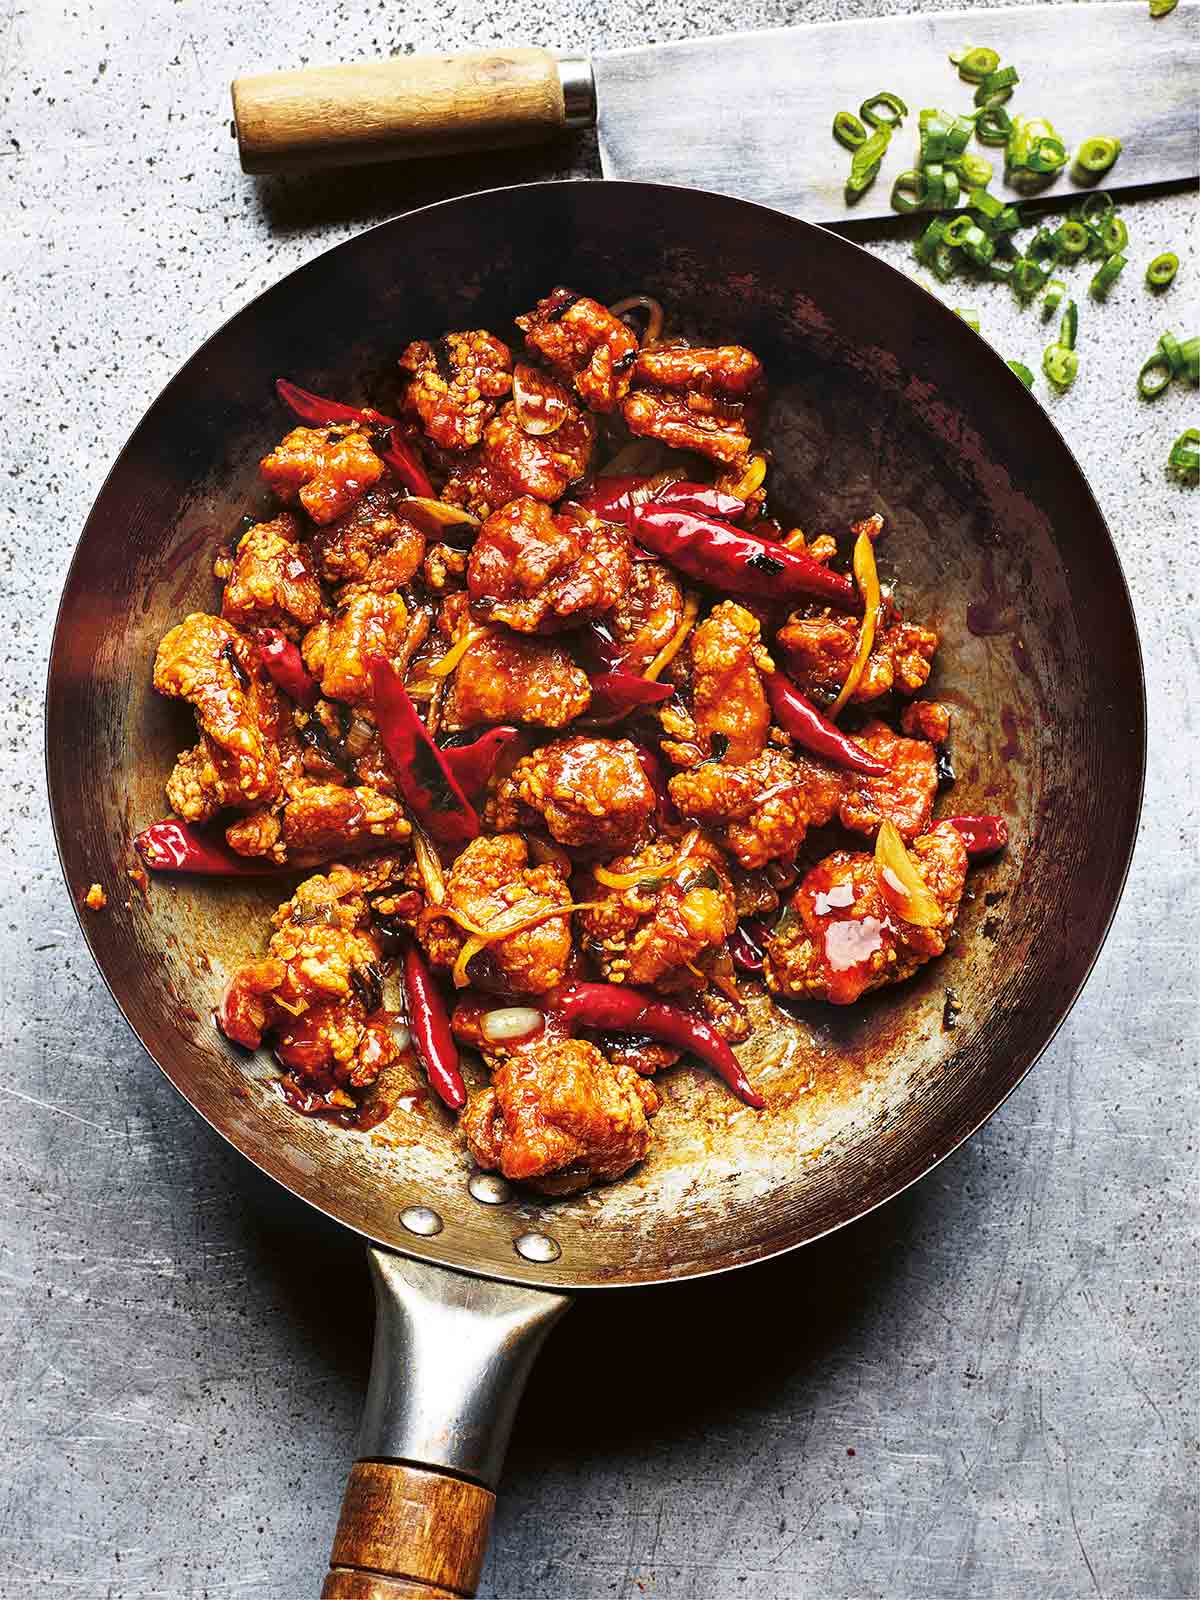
(904, 795)
(319, 986)
(926, 719)
(561, 1117)
(320, 822)
(444, 568)
(843, 938)
(236, 764)
(763, 809)
(727, 694)
(582, 340)
(539, 573)
(272, 583)
(820, 650)
(666, 928)
(512, 462)
(489, 878)
(326, 470)
(647, 615)
(365, 624)
(507, 677)
(351, 547)
(592, 794)
(701, 400)
(455, 385)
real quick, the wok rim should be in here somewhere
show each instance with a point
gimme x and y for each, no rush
(776, 1249)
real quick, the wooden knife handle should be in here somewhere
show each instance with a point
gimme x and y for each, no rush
(408, 106)
(408, 1533)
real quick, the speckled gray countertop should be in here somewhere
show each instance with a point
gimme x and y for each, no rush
(986, 1390)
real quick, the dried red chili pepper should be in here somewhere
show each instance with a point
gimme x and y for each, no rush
(735, 562)
(983, 836)
(472, 765)
(421, 772)
(651, 763)
(815, 732)
(617, 1008)
(746, 945)
(320, 412)
(429, 1024)
(285, 667)
(613, 499)
(614, 693)
(171, 846)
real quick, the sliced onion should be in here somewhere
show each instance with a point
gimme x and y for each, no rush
(431, 516)
(359, 737)
(751, 479)
(664, 658)
(433, 879)
(900, 881)
(644, 492)
(654, 315)
(541, 404)
(446, 664)
(510, 1022)
(402, 1035)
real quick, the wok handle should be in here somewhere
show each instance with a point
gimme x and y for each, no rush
(408, 106)
(452, 1354)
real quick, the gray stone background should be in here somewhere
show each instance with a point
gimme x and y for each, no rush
(986, 1390)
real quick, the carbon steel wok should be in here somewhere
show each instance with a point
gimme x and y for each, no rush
(881, 400)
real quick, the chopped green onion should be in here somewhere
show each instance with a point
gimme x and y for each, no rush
(1070, 326)
(971, 318)
(1060, 365)
(997, 87)
(1173, 351)
(973, 169)
(909, 192)
(976, 63)
(1184, 460)
(1033, 146)
(1161, 271)
(865, 163)
(1009, 220)
(1042, 247)
(976, 245)
(1114, 235)
(1095, 156)
(950, 190)
(848, 130)
(988, 207)
(925, 246)
(1162, 8)
(1072, 239)
(1107, 276)
(1055, 290)
(956, 229)
(945, 262)
(958, 135)
(1028, 276)
(1001, 271)
(993, 125)
(1094, 206)
(1022, 372)
(1191, 361)
(872, 110)
(1155, 376)
(933, 125)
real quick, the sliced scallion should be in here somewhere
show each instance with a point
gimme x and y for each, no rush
(1028, 276)
(976, 63)
(1114, 235)
(1060, 365)
(973, 169)
(1055, 291)
(910, 191)
(987, 205)
(1070, 326)
(1094, 206)
(971, 318)
(929, 241)
(865, 163)
(1155, 376)
(933, 126)
(1173, 351)
(1095, 156)
(1161, 271)
(957, 228)
(872, 110)
(1184, 459)
(1190, 350)
(1162, 8)
(1022, 372)
(1110, 271)
(997, 87)
(993, 125)
(1072, 239)
(848, 130)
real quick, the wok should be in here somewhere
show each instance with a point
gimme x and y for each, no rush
(882, 399)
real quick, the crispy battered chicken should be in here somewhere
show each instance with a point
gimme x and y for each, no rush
(538, 573)
(321, 822)
(272, 583)
(926, 719)
(819, 652)
(727, 693)
(665, 926)
(365, 624)
(843, 937)
(350, 548)
(236, 764)
(647, 614)
(512, 462)
(506, 677)
(592, 794)
(762, 809)
(560, 1117)
(326, 470)
(492, 879)
(319, 987)
(700, 400)
(455, 384)
(584, 342)
(904, 795)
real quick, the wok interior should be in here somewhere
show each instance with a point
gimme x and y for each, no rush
(881, 400)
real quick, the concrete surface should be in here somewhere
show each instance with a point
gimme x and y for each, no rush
(988, 1390)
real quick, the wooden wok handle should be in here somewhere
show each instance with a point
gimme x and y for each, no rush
(408, 106)
(408, 1533)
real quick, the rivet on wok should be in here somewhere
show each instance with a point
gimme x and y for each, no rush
(420, 1219)
(488, 1188)
(538, 1247)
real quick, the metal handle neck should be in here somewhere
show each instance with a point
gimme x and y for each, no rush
(579, 91)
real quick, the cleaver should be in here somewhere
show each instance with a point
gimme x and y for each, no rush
(750, 114)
